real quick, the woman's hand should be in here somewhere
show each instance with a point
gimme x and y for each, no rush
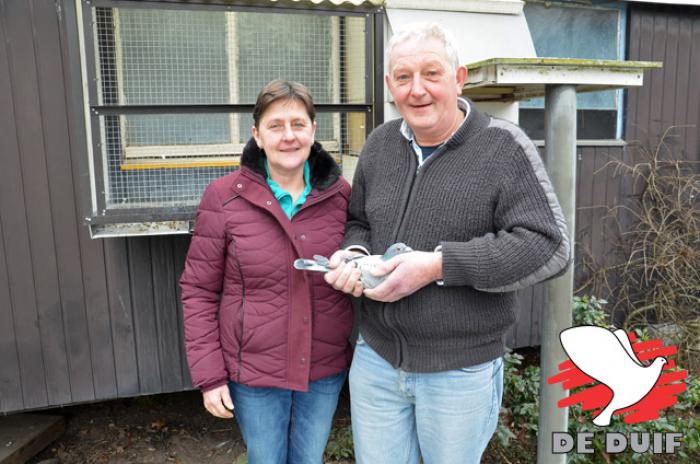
(345, 276)
(218, 402)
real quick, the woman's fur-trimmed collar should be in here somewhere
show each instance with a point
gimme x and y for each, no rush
(324, 170)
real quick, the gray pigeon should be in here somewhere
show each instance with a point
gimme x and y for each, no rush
(364, 263)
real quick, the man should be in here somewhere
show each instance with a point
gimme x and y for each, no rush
(470, 193)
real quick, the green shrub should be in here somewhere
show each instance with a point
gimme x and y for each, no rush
(588, 310)
(340, 446)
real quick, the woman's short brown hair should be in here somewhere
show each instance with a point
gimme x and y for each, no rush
(283, 90)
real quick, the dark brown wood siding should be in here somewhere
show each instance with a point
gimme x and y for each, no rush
(80, 319)
(671, 95)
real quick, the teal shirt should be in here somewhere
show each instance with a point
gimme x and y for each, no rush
(284, 198)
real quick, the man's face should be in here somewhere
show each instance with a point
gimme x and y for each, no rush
(425, 87)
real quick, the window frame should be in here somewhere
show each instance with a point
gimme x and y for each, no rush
(144, 156)
(621, 47)
(94, 172)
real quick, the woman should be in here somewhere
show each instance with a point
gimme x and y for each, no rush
(261, 336)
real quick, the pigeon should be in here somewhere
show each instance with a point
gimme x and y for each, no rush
(608, 357)
(364, 263)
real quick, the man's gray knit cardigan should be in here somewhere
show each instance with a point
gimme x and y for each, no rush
(485, 197)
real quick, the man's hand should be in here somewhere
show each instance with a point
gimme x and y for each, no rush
(409, 272)
(345, 276)
(218, 402)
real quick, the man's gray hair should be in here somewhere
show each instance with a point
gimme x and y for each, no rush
(425, 31)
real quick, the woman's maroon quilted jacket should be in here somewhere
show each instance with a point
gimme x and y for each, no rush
(249, 315)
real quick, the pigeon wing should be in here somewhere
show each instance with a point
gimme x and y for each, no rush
(625, 342)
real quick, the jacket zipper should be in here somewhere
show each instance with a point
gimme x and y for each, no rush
(241, 317)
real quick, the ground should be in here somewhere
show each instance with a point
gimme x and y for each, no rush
(169, 428)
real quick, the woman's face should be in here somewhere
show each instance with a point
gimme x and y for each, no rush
(286, 133)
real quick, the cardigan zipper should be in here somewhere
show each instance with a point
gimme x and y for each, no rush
(411, 188)
(398, 334)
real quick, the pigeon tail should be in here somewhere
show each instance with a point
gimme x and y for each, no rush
(605, 416)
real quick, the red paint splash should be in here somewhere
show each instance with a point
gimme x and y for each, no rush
(597, 396)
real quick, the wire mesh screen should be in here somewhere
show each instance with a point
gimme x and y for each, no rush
(164, 56)
(179, 182)
(159, 56)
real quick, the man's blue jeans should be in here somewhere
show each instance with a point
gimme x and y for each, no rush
(397, 416)
(284, 426)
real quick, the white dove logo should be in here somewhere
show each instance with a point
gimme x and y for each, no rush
(608, 358)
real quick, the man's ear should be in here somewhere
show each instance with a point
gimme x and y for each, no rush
(387, 79)
(461, 77)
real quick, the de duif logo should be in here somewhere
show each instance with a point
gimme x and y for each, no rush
(620, 374)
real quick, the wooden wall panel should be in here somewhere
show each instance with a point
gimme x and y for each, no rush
(632, 96)
(37, 200)
(180, 246)
(166, 311)
(596, 226)
(121, 319)
(18, 256)
(10, 378)
(683, 77)
(610, 230)
(639, 99)
(655, 124)
(10, 373)
(671, 95)
(583, 245)
(91, 252)
(599, 204)
(98, 316)
(144, 314)
(671, 70)
(692, 139)
(62, 207)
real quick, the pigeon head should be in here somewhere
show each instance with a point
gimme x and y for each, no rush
(396, 249)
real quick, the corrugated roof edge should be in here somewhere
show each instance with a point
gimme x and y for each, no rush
(334, 2)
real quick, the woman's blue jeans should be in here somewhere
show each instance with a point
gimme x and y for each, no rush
(445, 417)
(284, 426)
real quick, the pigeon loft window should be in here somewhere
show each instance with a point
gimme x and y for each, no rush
(586, 31)
(170, 87)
